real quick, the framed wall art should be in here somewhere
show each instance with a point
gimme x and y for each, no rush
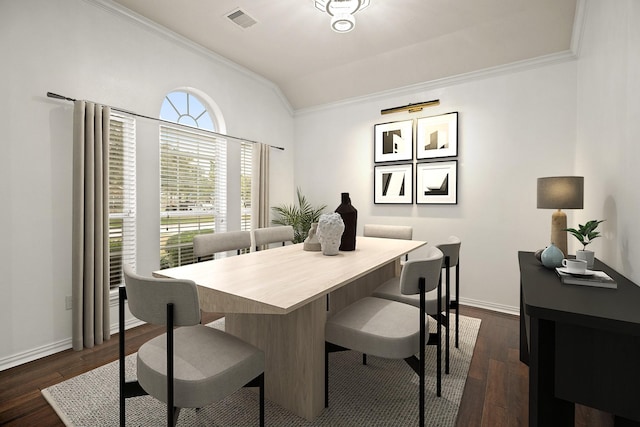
(437, 183)
(437, 136)
(393, 184)
(393, 141)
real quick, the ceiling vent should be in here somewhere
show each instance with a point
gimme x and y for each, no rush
(241, 18)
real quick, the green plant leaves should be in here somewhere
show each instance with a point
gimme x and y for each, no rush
(587, 232)
(300, 217)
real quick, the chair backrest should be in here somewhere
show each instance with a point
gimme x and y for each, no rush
(451, 249)
(212, 243)
(428, 267)
(267, 235)
(148, 298)
(388, 231)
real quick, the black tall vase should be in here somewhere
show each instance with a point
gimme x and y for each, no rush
(349, 216)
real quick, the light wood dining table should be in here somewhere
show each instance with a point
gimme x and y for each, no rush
(279, 299)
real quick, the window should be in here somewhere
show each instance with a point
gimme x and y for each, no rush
(122, 196)
(246, 158)
(193, 171)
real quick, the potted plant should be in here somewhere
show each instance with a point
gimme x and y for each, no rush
(586, 234)
(299, 217)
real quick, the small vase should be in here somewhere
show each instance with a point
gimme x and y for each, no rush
(330, 228)
(552, 257)
(588, 256)
(349, 216)
(311, 243)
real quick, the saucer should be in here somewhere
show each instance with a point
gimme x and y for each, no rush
(585, 274)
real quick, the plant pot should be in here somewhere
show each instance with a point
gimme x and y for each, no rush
(588, 256)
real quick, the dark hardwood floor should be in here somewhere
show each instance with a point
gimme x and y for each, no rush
(495, 393)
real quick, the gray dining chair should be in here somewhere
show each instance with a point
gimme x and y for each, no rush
(207, 245)
(191, 366)
(384, 231)
(263, 237)
(438, 304)
(386, 328)
(435, 305)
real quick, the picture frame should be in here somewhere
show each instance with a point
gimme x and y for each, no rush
(393, 141)
(437, 136)
(437, 183)
(393, 184)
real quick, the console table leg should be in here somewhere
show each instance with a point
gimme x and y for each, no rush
(544, 408)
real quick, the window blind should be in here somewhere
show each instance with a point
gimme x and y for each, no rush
(193, 190)
(246, 160)
(122, 195)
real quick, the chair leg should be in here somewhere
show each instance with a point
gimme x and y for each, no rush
(262, 400)
(326, 375)
(448, 324)
(176, 414)
(423, 320)
(439, 344)
(457, 302)
(172, 413)
(122, 295)
(364, 358)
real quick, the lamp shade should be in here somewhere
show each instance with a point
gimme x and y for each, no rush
(561, 192)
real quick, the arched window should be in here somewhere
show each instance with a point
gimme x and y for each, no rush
(193, 177)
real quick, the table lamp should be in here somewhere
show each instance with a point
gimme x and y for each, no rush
(560, 192)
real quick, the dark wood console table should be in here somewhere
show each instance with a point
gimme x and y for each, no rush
(582, 345)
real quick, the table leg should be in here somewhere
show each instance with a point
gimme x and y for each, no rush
(294, 354)
(544, 408)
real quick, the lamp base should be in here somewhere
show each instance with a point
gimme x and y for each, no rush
(558, 230)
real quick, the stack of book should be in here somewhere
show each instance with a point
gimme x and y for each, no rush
(595, 278)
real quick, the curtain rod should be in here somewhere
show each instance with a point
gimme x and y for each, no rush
(65, 98)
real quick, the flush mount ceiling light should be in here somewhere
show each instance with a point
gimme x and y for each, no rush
(341, 12)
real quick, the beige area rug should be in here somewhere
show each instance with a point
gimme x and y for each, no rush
(382, 393)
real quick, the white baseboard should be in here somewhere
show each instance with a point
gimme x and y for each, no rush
(491, 306)
(56, 347)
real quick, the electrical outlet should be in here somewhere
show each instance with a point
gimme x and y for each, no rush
(68, 302)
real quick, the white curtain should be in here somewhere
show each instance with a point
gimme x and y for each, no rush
(90, 249)
(260, 186)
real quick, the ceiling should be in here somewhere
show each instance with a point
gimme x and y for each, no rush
(395, 43)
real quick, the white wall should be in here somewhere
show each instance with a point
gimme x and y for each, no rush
(608, 130)
(81, 49)
(513, 128)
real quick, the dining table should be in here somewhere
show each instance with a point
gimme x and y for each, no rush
(279, 299)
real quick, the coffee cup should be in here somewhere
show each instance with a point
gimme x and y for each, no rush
(575, 266)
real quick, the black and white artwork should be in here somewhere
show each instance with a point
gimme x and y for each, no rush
(393, 184)
(437, 183)
(437, 136)
(393, 141)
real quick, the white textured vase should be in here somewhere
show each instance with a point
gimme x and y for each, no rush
(330, 229)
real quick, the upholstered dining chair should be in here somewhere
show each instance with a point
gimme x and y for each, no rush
(404, 232)
(263, 237)
(206, 245)
(438, 305)
(191, 366)
(435, 305)
(386, 328)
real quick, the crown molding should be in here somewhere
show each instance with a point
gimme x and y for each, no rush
(578, 27)
(514, 67)
(121, 11)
